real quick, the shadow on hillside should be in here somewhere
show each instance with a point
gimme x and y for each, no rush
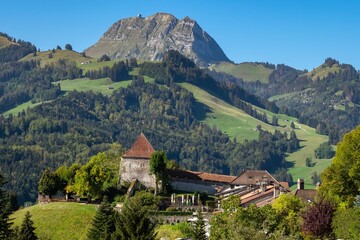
(201, 110)
(289, 164)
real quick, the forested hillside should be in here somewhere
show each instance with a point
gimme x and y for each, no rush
(326, 98)
(12, 49)
(70, 127)
(81, 124)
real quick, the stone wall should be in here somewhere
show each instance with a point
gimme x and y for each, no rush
(134, 168)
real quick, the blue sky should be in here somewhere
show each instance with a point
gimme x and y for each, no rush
(299, 33)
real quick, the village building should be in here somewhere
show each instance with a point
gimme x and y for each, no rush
(252, 186)
(135, 163)
(306, 195)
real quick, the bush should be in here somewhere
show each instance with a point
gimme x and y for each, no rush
(211, 204)
(147, 199)
(171, 209)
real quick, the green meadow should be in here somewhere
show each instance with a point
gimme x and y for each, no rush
(237, 123)
(58, 221)
(249, 72)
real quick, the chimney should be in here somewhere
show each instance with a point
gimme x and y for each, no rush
(276, 190)
(263, 186)
(300, 183)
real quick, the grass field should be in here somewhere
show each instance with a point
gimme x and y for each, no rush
(71, 221)
(170, 232)
(20, 108)
(249, 72)
(4, 42)
(238, 124)
(58, 220)
(59, 54)
(322, 71)
(287, 95)
(103, 85)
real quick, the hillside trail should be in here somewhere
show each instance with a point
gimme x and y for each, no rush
(300, 127)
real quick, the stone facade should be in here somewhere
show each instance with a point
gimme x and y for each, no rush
(135, 168)
(135, 163)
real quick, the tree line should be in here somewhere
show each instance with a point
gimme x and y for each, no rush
(176, 68)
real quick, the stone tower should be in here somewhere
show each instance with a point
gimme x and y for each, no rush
(135, 163)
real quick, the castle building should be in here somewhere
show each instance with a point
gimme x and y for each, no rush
(135, 163)
(251, 186)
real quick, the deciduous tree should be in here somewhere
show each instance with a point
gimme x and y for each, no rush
(350, 230)
(317, 219)
(342, 177)
(49, 182)
(68, 47)
(93, 178)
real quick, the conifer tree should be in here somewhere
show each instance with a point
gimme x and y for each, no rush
(27, 228)
(158, 162)
(5, 211)
(134, 223)
(199, 232)
(103, 224)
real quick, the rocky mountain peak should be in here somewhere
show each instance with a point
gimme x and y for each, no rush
(148, 38)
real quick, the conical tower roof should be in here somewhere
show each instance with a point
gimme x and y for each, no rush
(141, 148)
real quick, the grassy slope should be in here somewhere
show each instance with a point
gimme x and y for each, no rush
(22, 107)
(97, 85)
(59, 54)
(4, 42)
(59, 220)
(322, 71)
(249, 72)
(238, 124)
(85, 84)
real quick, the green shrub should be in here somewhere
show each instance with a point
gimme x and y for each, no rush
(171, 209)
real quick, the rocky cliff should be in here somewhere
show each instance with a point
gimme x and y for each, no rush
(148, 38)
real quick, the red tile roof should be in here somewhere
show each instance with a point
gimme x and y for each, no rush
(252, 177)
(284, 185)
(257, 196)
(306, 195)
(216, 177)
(140, 149)
(200, 176)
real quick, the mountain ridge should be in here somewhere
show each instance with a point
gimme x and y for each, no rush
(148, 38)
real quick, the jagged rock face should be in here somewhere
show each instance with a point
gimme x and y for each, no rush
(148, 38)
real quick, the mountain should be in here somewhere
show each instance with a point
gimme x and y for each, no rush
(148, 38)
